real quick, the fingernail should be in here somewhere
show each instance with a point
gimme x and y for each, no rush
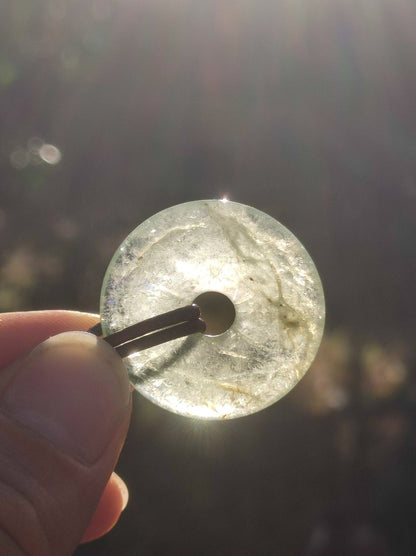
(74, 391)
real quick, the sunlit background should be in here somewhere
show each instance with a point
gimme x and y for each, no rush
(111, 110)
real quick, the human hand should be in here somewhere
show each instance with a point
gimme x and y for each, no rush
(64, 413)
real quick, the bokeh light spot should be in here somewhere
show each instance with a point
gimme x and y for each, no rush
(19, 158)
(34, 145)
(50, 154)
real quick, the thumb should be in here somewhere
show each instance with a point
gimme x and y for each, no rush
(64, 413)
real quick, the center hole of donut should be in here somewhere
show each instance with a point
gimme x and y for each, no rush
(217, 310)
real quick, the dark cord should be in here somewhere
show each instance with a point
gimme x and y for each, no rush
(154, 331)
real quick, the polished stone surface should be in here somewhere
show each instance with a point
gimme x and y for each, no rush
(236, 250)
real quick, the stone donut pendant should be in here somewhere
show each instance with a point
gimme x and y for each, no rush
(259, 295)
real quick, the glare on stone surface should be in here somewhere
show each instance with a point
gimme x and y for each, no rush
(254, 262)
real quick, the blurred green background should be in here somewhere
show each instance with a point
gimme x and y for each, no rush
(111, 110)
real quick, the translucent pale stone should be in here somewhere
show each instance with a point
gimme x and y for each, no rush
(259, 265)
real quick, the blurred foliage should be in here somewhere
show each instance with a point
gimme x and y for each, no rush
(114, 109)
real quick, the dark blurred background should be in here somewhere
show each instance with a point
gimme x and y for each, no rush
(112, 110)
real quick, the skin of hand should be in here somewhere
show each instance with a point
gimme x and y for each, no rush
(65, 404)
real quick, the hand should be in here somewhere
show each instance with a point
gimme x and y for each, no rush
(64, 412)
